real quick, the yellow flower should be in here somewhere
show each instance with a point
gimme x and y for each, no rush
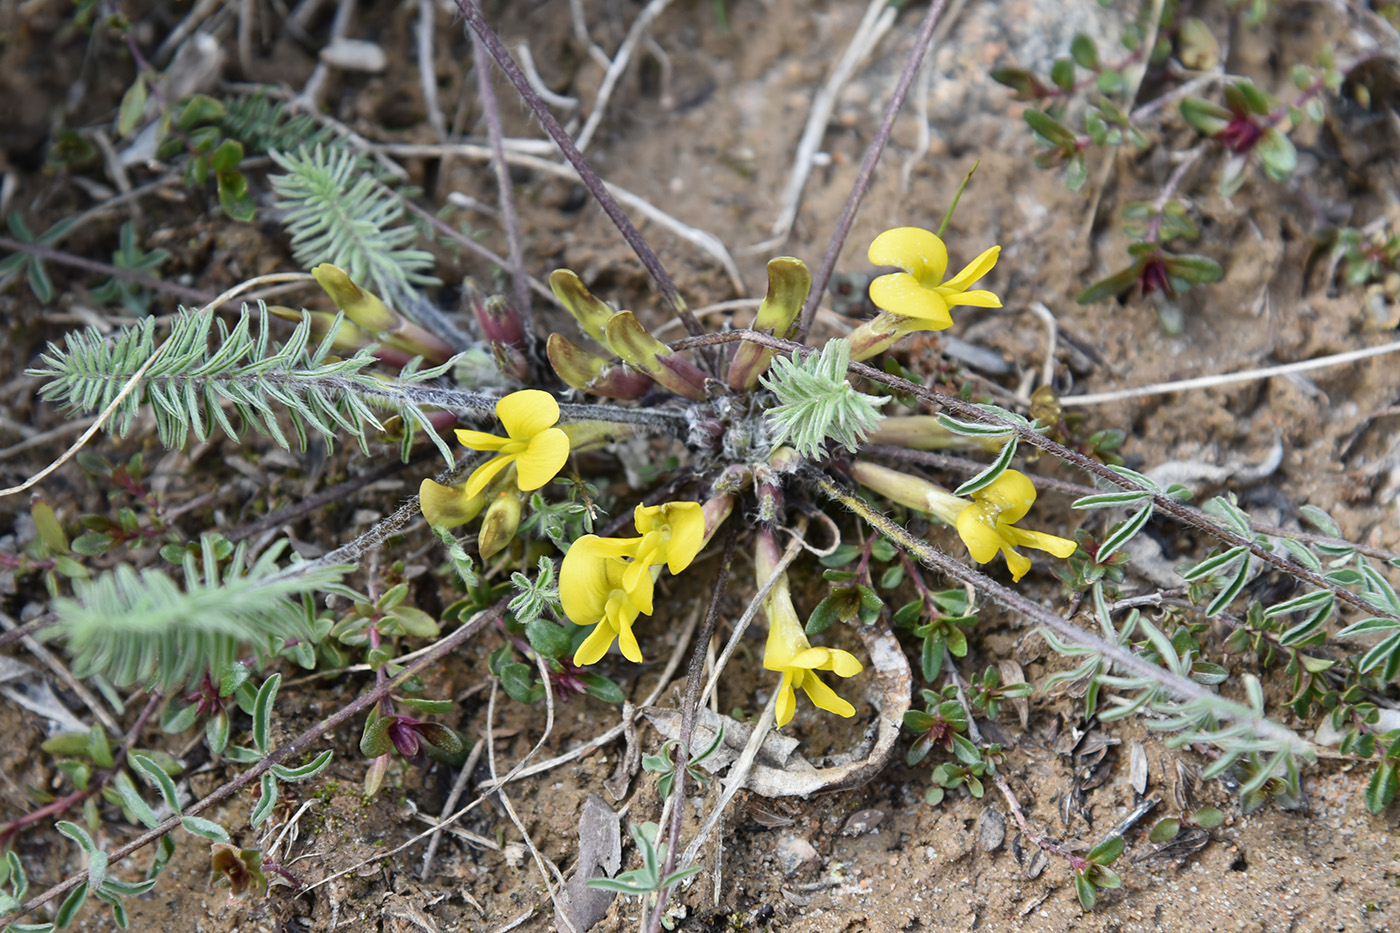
(988, 524)
(919, 292)
(789, 653)
(534, 445)
(592, 591)
(672, 534)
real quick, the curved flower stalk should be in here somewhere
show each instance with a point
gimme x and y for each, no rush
(918, 298)
(987, 524)
(608, 582)
(790, 653)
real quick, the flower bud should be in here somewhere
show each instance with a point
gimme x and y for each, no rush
(588, 372)
(923, 432)
(734, 479)
(362, 307)
(448, 506)
(788, 285)
(909, 491)
(497, 317)
(591, 313)
(634, 343)
(500, 524)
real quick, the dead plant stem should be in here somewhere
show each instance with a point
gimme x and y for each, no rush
(291, 749)
(505, 199)
(695, 677)
(472, 14)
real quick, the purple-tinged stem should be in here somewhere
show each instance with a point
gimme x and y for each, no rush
(293, 748)
(590, 178)
(520, 279)
(961, 409)
(867, 166)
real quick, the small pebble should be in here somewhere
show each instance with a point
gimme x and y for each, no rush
(795, 853)
(355, 55)
(991, 829)
(862, 822)
(1138, 767)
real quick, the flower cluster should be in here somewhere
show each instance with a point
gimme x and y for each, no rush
(987, 524)
(608, 582)
(533, 451)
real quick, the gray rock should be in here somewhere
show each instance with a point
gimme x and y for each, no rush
(862, 822)
(991, 829)
(795, 853)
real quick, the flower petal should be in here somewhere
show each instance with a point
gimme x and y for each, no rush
(915, 250)
(447, 506)
(481, 477)
(1052, 544)
(687, 537)
(583, 582)
(786, 639)
(811, 659)
(787, 701)
(900, 293)
(542, 460)
(1010, 496)
(973, 299)
(641, 596)
(843, 663)
(627, 641)
(1016, 562)
(823, 697)
(979, 534)
(974, 270)
(527, 413)
(480, 440)
(595, 645)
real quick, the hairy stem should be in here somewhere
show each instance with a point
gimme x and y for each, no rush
(520, 279)
(966, 410)
(591, 181)
(1180, 687)
(972, 467)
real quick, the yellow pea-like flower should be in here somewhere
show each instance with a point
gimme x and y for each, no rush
(788, 651)
(533, 443)
(593, 590)
(988, 525)
(919, 292)
(672, 534)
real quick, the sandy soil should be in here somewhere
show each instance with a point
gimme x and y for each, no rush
(708, 133)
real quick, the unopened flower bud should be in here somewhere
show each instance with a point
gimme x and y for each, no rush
(634, 343)
(500, 524)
